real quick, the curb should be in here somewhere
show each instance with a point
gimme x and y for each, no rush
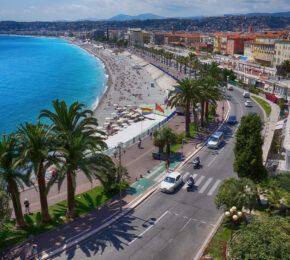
(209, 237)
(127, 210)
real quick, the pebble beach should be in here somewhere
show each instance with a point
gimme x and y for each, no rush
(129, 81)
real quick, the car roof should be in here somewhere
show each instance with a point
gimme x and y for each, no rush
(217, 134)
(173, 174)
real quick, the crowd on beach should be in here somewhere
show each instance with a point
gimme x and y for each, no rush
(127, 84)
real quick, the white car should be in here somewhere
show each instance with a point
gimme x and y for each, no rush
(171, 182)
(248, 104)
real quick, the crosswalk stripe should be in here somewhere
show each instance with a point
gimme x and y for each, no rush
(194, 176)
(199, 180)
(205, 185)
(185, 175)
(211, 191)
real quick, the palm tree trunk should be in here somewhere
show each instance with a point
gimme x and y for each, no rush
(202, 112)
(70, 196)
(187, 119)
(42, 195)
(195, 118)
(13, 190)
(206, 110)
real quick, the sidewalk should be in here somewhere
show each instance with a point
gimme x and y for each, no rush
(138, 162)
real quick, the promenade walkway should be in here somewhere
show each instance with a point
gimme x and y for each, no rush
(138, 161)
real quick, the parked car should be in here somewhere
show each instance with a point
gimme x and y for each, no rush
(171, 182)
(248, 103)
(246, 94)
(230, 87)
(232, 120)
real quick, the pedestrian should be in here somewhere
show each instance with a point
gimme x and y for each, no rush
(168, 164)
(26, 206)
(150, 134)
(27, 251)
(139, 143)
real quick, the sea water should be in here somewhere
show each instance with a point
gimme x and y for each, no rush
(34, 71)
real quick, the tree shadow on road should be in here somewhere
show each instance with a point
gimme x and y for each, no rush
(118, 235)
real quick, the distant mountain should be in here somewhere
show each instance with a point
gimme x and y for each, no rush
(282, 14)
(124, 17)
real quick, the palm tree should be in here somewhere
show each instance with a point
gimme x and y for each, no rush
(12, 175)
(78, 147)
(182, 96)
(35, 146)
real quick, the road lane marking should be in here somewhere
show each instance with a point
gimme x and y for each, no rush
(153, 172)
(205, 185)
(142, 233)
(211, 191)
(185, 175)
(187, 222)
(199, 180)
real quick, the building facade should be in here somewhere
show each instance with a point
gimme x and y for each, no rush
(281, 52)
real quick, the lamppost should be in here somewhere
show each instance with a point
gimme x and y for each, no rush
(118, 152)
(234, 216)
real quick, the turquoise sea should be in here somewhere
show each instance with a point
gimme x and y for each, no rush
(35, 71)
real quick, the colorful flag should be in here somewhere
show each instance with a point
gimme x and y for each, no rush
(146, 111)
(165, 101)
(158, 108)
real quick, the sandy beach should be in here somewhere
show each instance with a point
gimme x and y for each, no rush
(128, 84)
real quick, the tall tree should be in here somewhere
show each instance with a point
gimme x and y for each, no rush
(248, 149)
(36, 144)
(284, 69)
(12, 175)
(78, 146)
(183, 95)
(237, 192)
(265, 238)
(5, 211)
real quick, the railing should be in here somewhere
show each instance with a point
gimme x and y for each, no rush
(143, 134)
(165, 71)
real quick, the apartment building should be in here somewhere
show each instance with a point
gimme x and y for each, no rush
(172, 38)
(139, 37)
(281, 52)
(159, 38)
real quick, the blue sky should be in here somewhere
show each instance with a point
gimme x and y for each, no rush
(50, 10)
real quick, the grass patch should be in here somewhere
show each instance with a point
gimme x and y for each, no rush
(264, 104)
(85, 201)
(217, 247)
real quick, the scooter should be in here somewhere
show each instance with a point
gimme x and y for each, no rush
(189, 183)
(196, 163)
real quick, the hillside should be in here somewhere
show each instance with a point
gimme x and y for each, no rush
(208, 24)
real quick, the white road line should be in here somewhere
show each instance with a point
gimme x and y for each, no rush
(184, 225)
(213, 159)
(148, 228)
(185, 175)
(194, 176)
(199, 180)
(211, 191)
(205, 185)
(153, 172)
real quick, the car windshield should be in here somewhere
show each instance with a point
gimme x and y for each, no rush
(213, 139)
(232, 117)
(169, 179)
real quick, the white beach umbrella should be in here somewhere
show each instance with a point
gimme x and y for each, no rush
(115, 105)
(114, 125)
(114, 114)
(107, 118)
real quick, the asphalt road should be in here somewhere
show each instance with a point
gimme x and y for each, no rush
(171, 226)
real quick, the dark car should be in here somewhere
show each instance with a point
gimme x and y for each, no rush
(232, 120)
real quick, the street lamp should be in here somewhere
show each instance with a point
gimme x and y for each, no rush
(234, 216)
(119, 150)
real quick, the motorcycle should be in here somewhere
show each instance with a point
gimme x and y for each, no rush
(189, 183)
(196, 163)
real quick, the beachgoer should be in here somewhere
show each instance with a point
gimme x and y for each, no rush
(26, 206)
